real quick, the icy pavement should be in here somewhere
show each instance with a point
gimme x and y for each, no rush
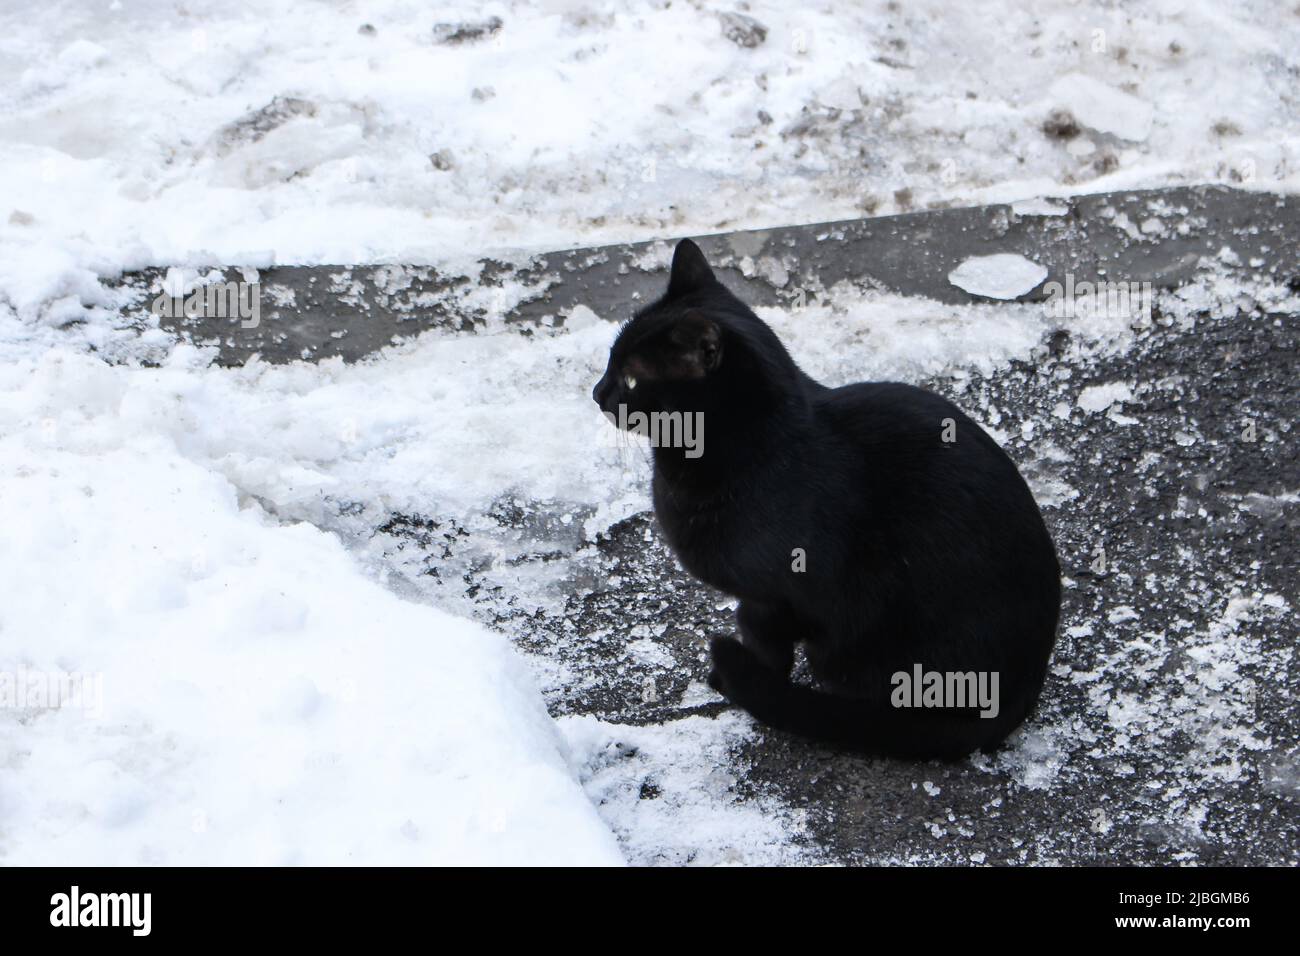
(1168, 728)
(1160, 446)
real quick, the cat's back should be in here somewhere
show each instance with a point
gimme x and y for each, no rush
(922, 480)
(914, 445)
(879, 413)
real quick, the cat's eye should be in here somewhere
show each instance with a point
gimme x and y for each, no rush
(629, 381)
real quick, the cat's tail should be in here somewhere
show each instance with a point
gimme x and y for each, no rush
(866, 726)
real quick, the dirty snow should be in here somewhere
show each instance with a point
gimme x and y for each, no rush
(1103, 108)
(161, 133)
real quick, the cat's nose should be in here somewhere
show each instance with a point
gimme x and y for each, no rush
(601, 392)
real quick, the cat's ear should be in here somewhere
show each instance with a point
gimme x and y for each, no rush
(690, 270)
(700, 341)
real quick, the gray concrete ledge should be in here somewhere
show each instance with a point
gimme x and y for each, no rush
(1157, 236)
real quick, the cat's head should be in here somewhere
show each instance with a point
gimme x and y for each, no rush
(669, 355)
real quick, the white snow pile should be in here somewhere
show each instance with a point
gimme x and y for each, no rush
(187, 680)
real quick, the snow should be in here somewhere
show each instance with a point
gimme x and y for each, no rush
(1102, 108)
(1098, 398)
(669, 793)
(159, 133)
(1039, 206)
(260, 701)
(1001, 276)
(190, 540)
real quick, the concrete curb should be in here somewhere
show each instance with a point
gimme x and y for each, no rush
(1158, 236)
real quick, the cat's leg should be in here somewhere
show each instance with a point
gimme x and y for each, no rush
(770, 632)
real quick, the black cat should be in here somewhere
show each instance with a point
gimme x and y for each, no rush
(874, 522)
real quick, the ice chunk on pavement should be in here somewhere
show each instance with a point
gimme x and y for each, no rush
(1039, 207)
(1001, 276)
(1098, 398)
(1103, 108)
